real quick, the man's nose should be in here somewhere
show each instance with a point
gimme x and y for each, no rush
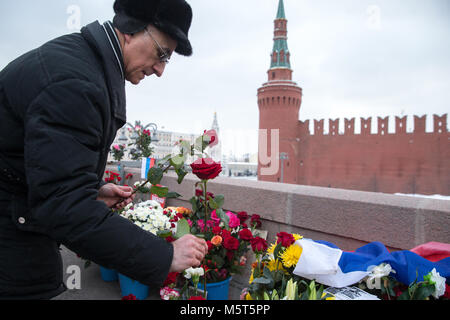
(159, 68)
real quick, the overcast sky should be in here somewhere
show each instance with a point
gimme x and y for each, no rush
(353, 58)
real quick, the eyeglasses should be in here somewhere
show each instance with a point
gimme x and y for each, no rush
(164, 56)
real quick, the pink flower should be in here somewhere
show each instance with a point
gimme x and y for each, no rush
(189, 222)
(215, 218)
(116, 147)
(234, 220)
(201, 225)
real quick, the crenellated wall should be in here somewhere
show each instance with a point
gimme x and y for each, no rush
(400, 161)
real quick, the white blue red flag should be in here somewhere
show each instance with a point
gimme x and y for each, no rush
(331, 266)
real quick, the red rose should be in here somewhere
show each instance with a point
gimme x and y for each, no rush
(286, 239)
(230, 243)
(245, 234)
(206, 168)
(258, 244)
(129, 297)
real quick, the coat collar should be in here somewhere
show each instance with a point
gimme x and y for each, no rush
(105, 45)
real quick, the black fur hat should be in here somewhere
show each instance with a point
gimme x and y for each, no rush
(173, 17)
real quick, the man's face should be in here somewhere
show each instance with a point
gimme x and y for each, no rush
(142, 54)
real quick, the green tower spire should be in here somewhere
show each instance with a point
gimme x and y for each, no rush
(280, 13)
(280, 53)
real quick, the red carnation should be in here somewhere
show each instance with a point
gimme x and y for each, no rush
(171, 278)
(216, 230)
(242, 216)
(206, 168)
(255, 220)
(258, 244)
(286, 239)
(245, 234)
(230, 243)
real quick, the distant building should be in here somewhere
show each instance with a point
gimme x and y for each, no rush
(406, 162)
(165, 142)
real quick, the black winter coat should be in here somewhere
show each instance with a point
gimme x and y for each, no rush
(60, 108)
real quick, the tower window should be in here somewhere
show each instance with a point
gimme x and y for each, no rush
(273, 75)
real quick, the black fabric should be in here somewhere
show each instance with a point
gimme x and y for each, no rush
(60, 108)
(173, 17)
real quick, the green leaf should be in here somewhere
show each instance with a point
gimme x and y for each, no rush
(277, 250)
(262, 280)
(163, 233)
(185, 147)
(183, 228)
(159, 191)
(193, 202)
(423, 292)
(164, 160)
(155, 175)
(177, 161)
(217, 201)
(172, 195)
(181, 174)
(223, 217)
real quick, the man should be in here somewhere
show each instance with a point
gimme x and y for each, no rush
(60, 108)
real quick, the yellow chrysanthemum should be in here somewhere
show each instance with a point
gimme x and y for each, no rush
(271, 249)
(274, 265)
(291, 255)
(297, 236)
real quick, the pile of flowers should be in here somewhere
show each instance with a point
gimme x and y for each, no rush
(272, 278)
(229, 239)
(150, 216)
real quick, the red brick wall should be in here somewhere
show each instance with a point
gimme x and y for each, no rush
(416, 162)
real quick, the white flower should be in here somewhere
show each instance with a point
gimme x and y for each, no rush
(373, 279)
(191, 272)
(439, 283)
(382, 270)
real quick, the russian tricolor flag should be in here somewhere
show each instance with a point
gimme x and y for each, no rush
(329, 265)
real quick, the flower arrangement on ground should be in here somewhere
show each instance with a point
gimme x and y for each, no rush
(272, 275)
(276, 273)
(227, 233)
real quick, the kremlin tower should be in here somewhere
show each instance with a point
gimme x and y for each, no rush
(279, 101)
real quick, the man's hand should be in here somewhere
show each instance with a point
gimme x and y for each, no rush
(111, 194)
(188, 251)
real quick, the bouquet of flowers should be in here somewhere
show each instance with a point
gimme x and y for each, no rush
(279, 274)
(271, 276)
(150, 216)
